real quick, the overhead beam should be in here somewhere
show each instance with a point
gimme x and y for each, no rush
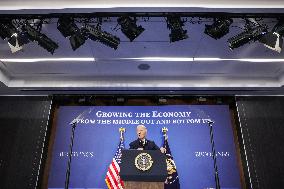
(52, 4)
(87, 6)
(140, 82)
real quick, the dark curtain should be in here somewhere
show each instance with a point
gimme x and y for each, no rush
(262, 134)
(23, 128)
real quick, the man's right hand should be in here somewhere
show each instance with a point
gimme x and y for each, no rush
(163, 150)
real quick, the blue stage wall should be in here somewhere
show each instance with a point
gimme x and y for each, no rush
(97, 137)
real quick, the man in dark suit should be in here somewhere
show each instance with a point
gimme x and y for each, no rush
(142, 143)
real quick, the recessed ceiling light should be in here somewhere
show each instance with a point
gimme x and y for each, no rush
(144, 66)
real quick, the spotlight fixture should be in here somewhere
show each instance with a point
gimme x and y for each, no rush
(129, 27)
(16, 39)
(7, 30)
(219, 28)
(68, 28)
(162, 100)
(253, 32)
(42, 39)
(274, 39)
(175, 24)
(96, 34)
(120, 99)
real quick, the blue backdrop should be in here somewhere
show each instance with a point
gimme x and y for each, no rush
(97, 138)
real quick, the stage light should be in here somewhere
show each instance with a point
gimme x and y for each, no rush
(42, 39)
(82, 100)
(96, 34)
(241, 39)
(219, 28)
(77, 40)
(120, 99)
(68, 28)
(16, 39)
(274, 39)
(162, 100)
(175, 24)
(129, 27)
(201, 99)
(7, 29)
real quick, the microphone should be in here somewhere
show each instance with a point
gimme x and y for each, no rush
(143, 142)
(81, 116)
(210, 121)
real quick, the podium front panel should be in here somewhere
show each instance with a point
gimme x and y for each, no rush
(143, 185)
(129, 171)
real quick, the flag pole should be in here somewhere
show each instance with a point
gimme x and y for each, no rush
(67, 176)
(213, 150)
(164, 131)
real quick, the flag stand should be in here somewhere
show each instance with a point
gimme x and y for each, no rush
(210, 123)
(70, 156)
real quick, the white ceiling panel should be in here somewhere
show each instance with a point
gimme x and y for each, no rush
(238, 69)
(156, 69)
(51, 68)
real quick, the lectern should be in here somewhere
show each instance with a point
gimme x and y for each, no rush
(143, 169)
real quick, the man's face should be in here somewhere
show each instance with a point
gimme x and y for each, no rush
(141, 132)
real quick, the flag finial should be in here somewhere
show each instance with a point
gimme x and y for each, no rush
(164, 131)
(122, 131)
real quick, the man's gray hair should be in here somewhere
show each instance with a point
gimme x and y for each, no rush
(141, 126)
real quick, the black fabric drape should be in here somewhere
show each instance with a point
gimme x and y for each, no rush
(262, 130)
(23, 124)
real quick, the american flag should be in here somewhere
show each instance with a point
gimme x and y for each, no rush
(112, 179)
(172, 181)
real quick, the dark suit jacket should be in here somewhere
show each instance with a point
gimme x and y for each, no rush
(149, 145)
